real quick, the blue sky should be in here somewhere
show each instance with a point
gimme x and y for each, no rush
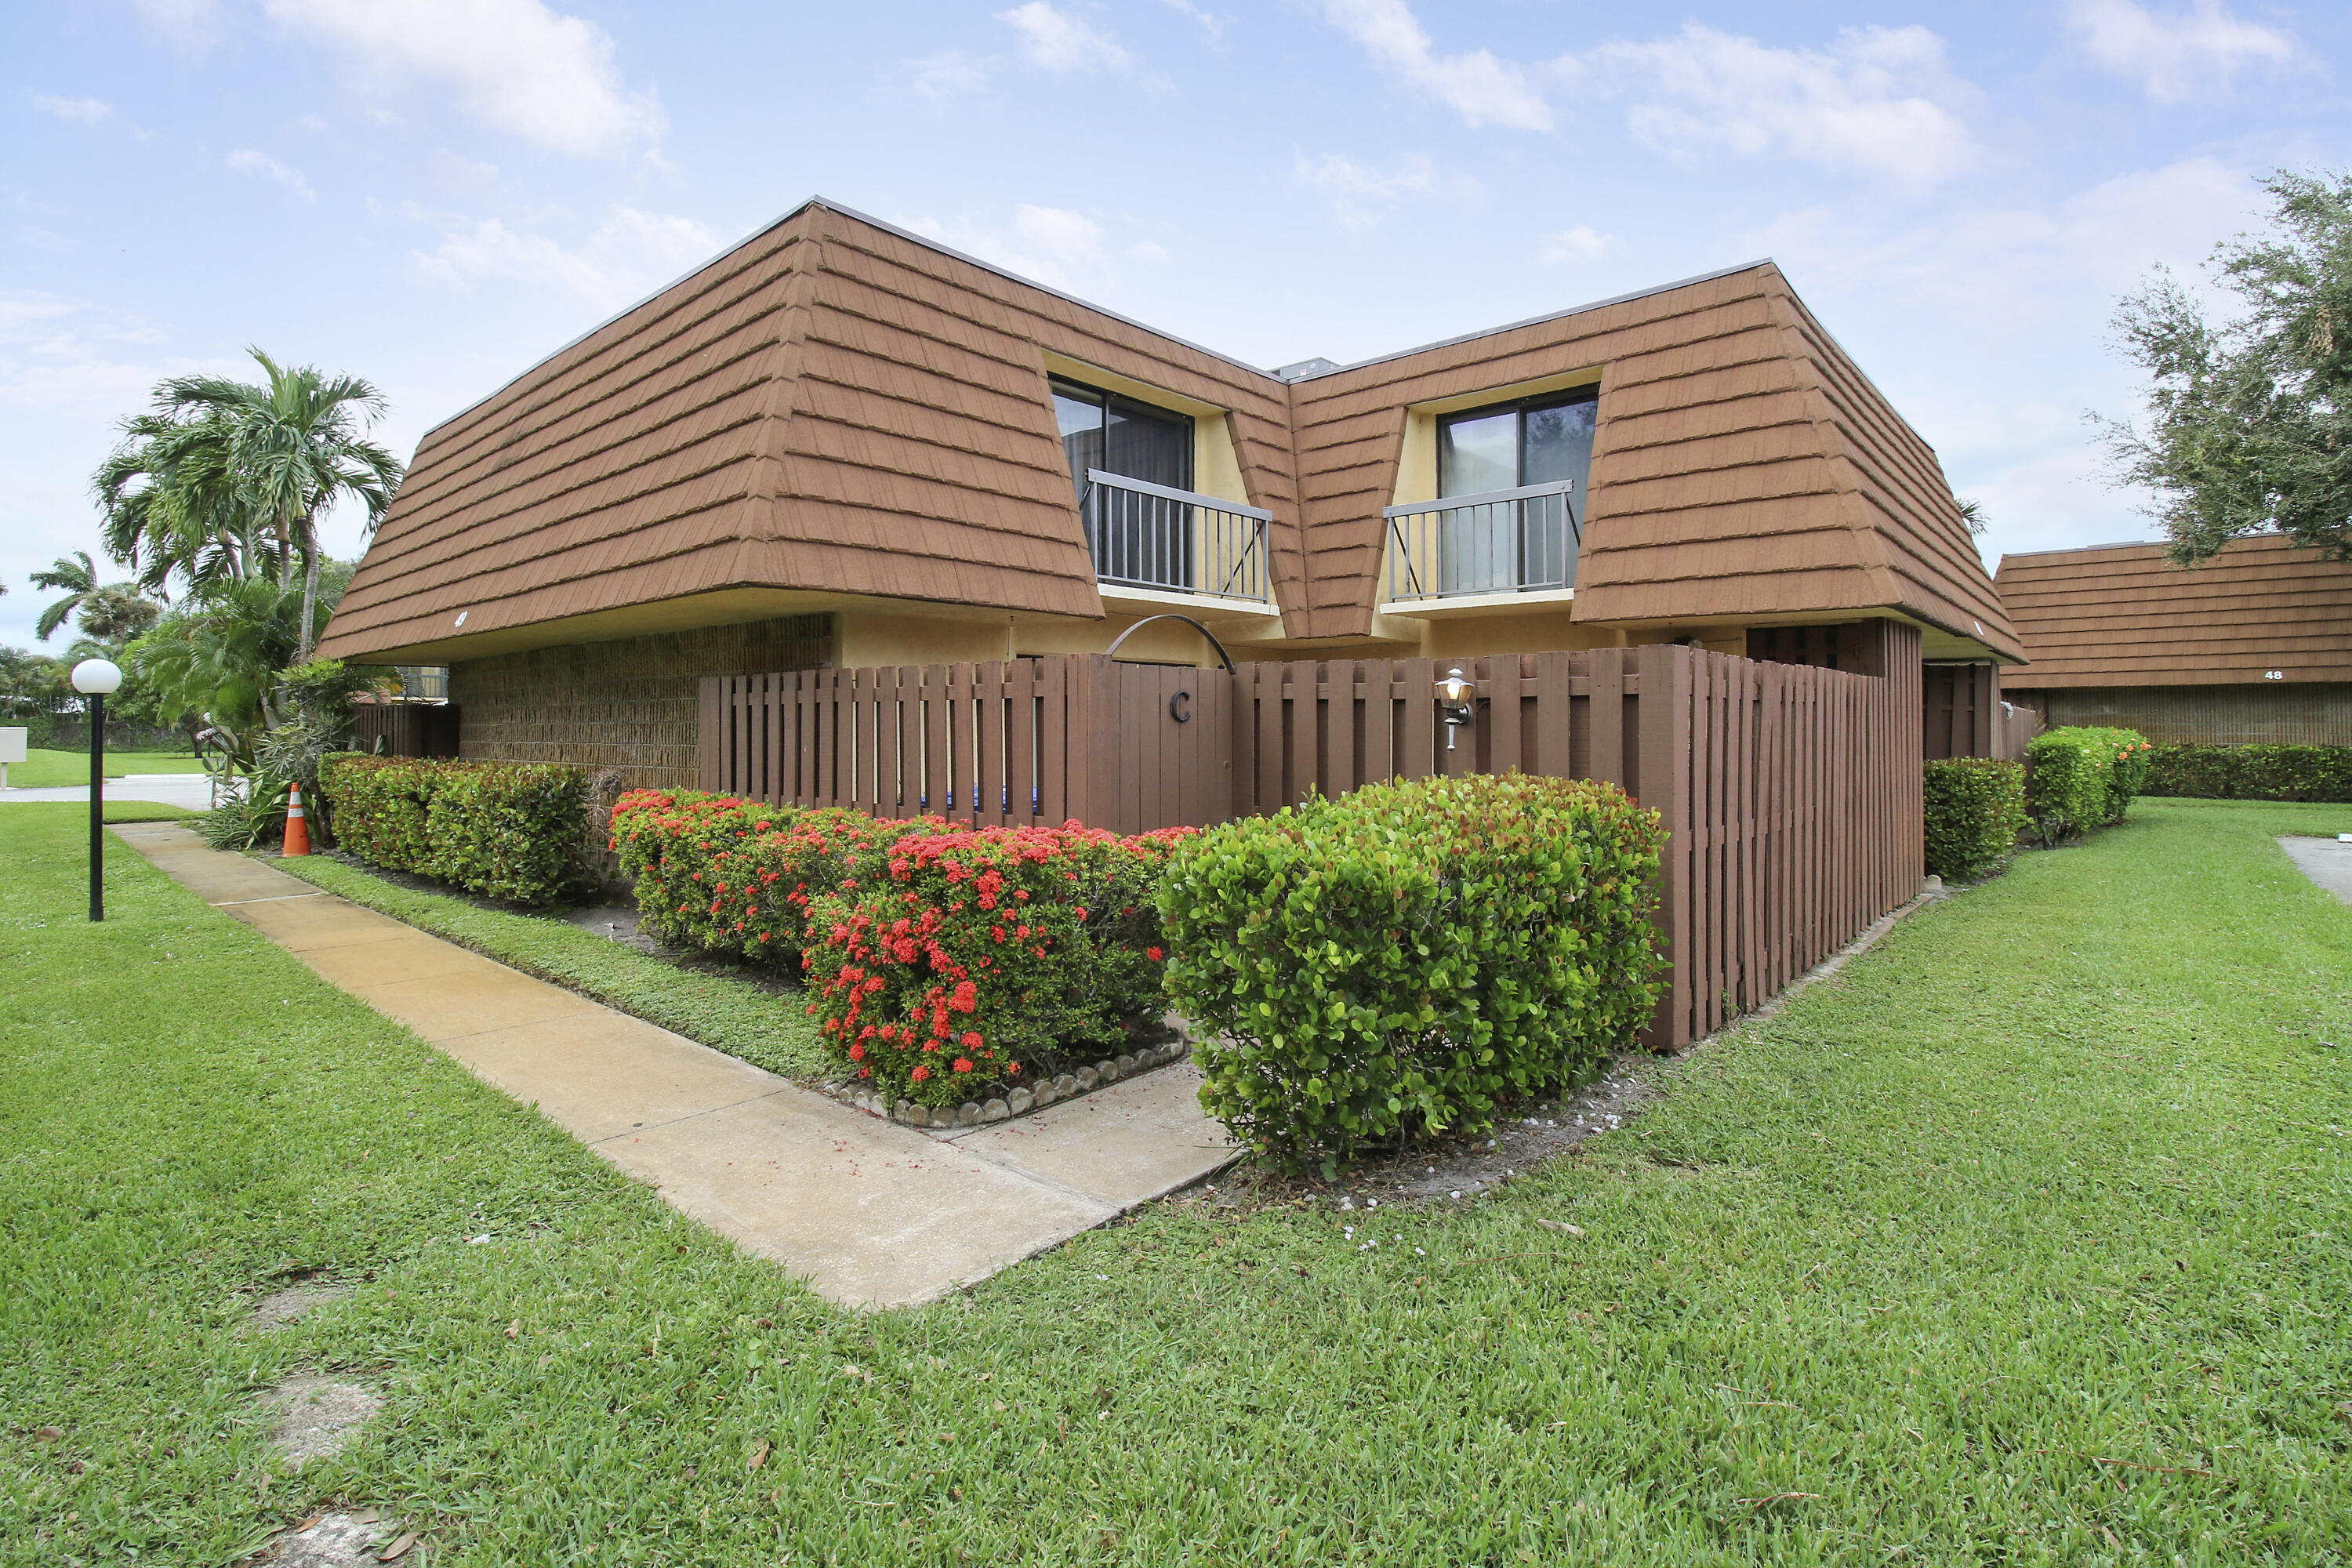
(435, 194)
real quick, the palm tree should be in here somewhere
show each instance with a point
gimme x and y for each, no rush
(296, 447)
(77, 576)
(173, 501)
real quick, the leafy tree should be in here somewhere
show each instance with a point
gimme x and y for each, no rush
(77, 576)
(226, 663)
(116, 614)
(215, 660)
(295, 446)
(33, 686)
(2249, 420)
(174, 501)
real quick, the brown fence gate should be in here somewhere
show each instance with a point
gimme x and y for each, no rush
(1791, 791)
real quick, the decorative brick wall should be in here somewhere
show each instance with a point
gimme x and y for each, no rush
(2286, 714)
(629, 704)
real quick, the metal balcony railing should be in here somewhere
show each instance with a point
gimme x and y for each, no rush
(1520, 540)
(423, 683)
(1144, 535)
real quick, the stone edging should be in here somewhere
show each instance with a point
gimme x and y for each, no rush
(1022, 1100)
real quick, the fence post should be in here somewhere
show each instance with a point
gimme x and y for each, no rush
(1662, 721)
(710, 763)
(1091, 738)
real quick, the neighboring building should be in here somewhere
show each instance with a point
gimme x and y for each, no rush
(840, 444)
(2255, 646)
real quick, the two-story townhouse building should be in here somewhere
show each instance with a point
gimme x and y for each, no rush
(840, 444)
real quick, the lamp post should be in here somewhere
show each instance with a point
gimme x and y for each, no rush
(94, 678)
(1453, 704)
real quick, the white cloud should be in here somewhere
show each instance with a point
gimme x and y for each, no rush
(1057, 232)
(1212, 25)
(465, 176)
(1361, 195)
(189, 26)
(81, 110)
(2187, 54)
(1476, 85)
(253, 163)
(1582, 243)
(630, 253)
(1985, 326)
(1061, 42)
(949, 74)
(64, 356)
(1052, 245)
(516, 64)
(1878, 98)
(2022, 270)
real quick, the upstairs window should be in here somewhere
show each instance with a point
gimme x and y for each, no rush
(1531, 442)
(1119, 435)
(1499, 539)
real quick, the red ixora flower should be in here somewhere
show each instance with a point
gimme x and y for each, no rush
(970, 1040)
(961, 1065)
(857, 1053)
(1153, 953)
(919, 1074)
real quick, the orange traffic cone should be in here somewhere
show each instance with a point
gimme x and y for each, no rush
(297, 832)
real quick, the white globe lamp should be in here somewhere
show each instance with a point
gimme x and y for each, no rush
(94, 678)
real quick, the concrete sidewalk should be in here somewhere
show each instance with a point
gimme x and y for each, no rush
(870, 1213)
(2326, 861)
(191, 791)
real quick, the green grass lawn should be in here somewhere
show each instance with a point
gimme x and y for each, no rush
(44, 769)
(2023, 1241)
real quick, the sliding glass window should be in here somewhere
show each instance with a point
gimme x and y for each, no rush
(1119, 435)
(1135, 537)
(1531, 542)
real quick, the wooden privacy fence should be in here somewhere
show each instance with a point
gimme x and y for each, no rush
(406, 729)
(1791, 793)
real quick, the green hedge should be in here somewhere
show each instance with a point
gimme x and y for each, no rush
(2251, 772)
(1975, 809)
(1408, 958)
(509, 830)
(2078, 778)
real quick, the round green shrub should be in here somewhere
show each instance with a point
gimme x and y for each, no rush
(1406, 959)
(1975, 810)
(2079, 777)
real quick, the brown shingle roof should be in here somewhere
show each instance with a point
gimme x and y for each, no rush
(832, 406)
(1742, 465)
(837, 405)
(2122, 615)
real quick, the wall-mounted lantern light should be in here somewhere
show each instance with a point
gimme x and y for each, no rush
(1455, 704)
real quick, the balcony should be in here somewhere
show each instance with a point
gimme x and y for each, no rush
(1166, 542)
(1483, 547)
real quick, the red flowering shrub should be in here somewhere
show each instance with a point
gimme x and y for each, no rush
(965, 960)
(732, 875)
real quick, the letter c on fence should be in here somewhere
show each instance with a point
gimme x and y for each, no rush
(1179, 708)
